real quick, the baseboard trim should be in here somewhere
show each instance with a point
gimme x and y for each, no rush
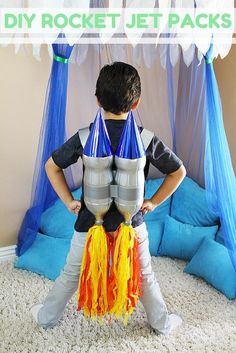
(7, 252)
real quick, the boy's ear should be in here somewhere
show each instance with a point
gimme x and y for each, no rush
(135, 105)
(98, 102)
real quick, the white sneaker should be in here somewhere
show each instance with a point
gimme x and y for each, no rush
(174, 322)
(34, 311)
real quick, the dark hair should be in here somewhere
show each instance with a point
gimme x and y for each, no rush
(118, 87)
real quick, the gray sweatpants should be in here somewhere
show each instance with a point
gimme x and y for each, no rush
(67, 284)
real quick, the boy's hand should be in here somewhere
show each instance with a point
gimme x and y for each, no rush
(74, 206)
(148, 206)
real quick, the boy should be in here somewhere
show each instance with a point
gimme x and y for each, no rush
(118, 91)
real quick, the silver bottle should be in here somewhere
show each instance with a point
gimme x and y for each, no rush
(130, 184)
(97, 180)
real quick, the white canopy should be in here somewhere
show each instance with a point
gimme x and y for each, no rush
(141, 52)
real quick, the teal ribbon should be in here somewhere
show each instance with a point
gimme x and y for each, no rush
(60, 59)
(208, 60)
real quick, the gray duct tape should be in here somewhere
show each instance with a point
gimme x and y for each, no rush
(97, 193)
(100, 193)
(129, 194)
(114, 190)
(147, 137)
(83, 135)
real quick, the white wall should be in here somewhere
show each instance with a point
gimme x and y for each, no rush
(22, 88)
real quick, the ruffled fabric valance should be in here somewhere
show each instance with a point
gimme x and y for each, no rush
(183, 44)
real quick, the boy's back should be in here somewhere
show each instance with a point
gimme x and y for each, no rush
(157, 154)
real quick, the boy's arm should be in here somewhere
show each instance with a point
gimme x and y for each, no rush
(62, 158)
(164, 159)
(59, 184)
(169, 185)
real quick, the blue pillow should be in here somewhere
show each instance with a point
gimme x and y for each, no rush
(155, 230)
(57, 221)
(212, 262)
(183, 240)
(220, 237)
(189, 205)
(151, 186)
(46, 256)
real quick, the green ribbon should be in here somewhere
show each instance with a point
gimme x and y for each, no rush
(208, 60)
(60, 59)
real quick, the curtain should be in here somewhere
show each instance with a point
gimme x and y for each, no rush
(188, 123)
(199, 139)
(220, 180)
(52, 135)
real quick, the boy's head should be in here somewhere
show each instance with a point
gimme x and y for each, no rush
(118, 87)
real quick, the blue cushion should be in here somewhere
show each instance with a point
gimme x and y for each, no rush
(189, 205)
(155, 230)
(212, 262)
(151, 186)
(220, 237)
(183, 240)
(46, 256)
(57, 221)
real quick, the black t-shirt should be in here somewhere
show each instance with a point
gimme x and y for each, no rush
(157, 153)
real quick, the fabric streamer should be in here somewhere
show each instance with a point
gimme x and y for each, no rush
(125, 277)
(110, 287)
(93, 283)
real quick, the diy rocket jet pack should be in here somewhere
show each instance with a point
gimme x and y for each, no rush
(110, 278)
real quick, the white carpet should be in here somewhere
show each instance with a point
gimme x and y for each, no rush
(209, 318)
